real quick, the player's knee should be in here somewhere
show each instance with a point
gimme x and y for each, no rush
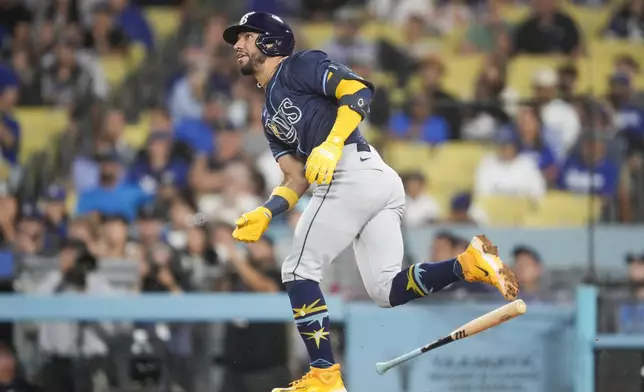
(379, 293)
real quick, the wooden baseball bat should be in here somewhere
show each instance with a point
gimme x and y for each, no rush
(488, 320)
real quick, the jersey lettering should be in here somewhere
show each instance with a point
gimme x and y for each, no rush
(282, 123)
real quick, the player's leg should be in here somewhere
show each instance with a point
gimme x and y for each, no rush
(327, 227)
(379, 253)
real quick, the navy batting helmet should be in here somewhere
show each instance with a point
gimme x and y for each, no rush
(275, 39)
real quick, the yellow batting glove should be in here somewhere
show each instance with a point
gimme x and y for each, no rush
(322, 162)
(251, 225)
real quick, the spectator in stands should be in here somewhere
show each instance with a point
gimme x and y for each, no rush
(489, 32)
(63, 343)
(420, 208)
(560, 119)
(195, 258)
(254, 140)
(347, 43)
(590, 170)
(236, 197)
(627, 64)
(157, 166)
(88, 231)
(32, 237)
(567, 76)
(85, 168)
(445, 105)
(629, 312)
(414, 43)
(207, 171)
(631, 183)
(442, 246)
(507, 172)
(494, 101)
(418, 122)
(10, 130)
(454, 15)
(114, 230)
(9, 208)
(181, 214)
(636, 273)
(462, 211)
(29, 78)
(529, 271)
(162, 271)
(10, 378)
(629, 118)
(111, 196)
(399, 12)
(65, 81)
(44, 43)
(55, 211)
(113, 134)
(15, 23)
(627, 22)
(187, 98)
(212, 38)
(199, 132)
(549, 30)
(149, 225)
(253, 362)
(531, 132)
(103, 36)
(129, 18)
(60, 15)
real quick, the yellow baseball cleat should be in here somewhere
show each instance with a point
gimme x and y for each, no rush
(317, 380)
(481, 263)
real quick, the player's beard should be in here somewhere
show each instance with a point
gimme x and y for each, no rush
(255, 61)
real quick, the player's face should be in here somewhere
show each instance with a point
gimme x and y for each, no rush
(249, 58)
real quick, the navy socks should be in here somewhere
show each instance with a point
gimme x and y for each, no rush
(312, 319)
(312, 315)
(423, 278)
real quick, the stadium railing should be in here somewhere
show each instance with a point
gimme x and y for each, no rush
(550, 348)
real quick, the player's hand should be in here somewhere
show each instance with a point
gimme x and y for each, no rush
(322, 162)
(252, 225)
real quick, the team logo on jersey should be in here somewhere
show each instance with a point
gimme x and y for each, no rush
(282, 123)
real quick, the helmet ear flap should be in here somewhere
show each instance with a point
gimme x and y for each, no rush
(270, 45)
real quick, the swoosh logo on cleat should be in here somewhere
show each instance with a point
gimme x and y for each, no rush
(364, 159)
(486, 273)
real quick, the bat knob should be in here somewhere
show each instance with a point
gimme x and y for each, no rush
(381, 368)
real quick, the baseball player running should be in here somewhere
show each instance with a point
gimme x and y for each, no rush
(311, 115)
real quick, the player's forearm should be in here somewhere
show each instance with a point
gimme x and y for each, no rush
(286, 196)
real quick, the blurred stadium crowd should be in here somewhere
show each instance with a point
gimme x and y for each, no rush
(130, 144)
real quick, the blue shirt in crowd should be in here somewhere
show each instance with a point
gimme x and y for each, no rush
(196, 133)
(123, 199)
(577, 176)
(434, 129)
(135, 26)
(142, 175)
(630, 119)
(544, 157)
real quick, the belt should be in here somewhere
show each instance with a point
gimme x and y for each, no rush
(363, 147)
